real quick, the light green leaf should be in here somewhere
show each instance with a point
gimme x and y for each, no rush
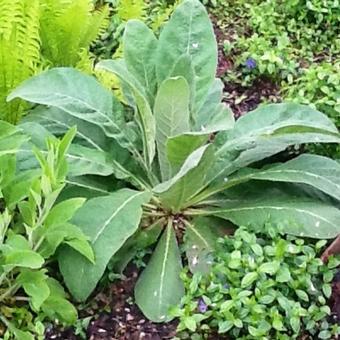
(56, 306)
(35, 285)
(146, 119)
(140, 45)
(60, 88)
(160, 286)
(189, 31)
(269, 267)
(180, 147)
(184, 68)
(63, 211)
(248, 279)
(172, 117)
(108, 221)
(24, 259)
(56, 234)
(175, 192)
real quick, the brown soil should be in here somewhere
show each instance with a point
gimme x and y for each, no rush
(117, 317)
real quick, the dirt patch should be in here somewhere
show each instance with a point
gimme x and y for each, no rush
(117, 317)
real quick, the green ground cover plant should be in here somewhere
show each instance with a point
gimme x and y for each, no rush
(262, 285)
(33, 225)
(175, 154)
(294, 43)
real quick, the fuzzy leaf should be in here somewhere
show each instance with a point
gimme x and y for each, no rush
(160, 286)
(189, 31)
(300, 216)
(146, 119)
(140, 46)
(108, 221)
(172, 117)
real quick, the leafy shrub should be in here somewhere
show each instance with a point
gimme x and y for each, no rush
(32, 227)
(176, 144)
(261, 287)
(36, 34)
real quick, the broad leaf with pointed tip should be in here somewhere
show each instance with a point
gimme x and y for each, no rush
(320, 172)
(140, 46)
(108, 222)
(189, 31)
(159, 287)
(172, 117)
(81, 96)
(295, 213)
(262, 133)
(146, 119)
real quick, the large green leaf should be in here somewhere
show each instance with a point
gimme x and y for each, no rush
(93, 155)
(159, 286)
(174, 192)
(298, 215)
(184, 68)
(172, 117)
(320, 172)
(108, 222)
(79, 95)
(263, 133)
(189, 31)
(140, 46)
(146, 119)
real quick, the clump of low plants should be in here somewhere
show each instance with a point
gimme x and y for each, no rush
(167, 164)
(33, 226)
(261, 286)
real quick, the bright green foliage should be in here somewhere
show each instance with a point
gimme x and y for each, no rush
(260, 287)
(176, 142)
(67, 28)
(32, 227)
(293, 43)
(42, 33)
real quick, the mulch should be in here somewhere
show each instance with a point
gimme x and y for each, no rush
(117, 317)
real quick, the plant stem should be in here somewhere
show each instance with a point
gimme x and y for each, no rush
(197, 212)
(9, 291)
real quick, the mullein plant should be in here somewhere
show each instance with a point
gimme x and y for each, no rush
(169, 165)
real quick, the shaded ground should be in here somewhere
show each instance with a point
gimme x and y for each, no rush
(116, 317)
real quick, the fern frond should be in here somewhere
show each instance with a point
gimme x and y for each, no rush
(97, 24)
(131, 9)
(19, 50)
(67, 27)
